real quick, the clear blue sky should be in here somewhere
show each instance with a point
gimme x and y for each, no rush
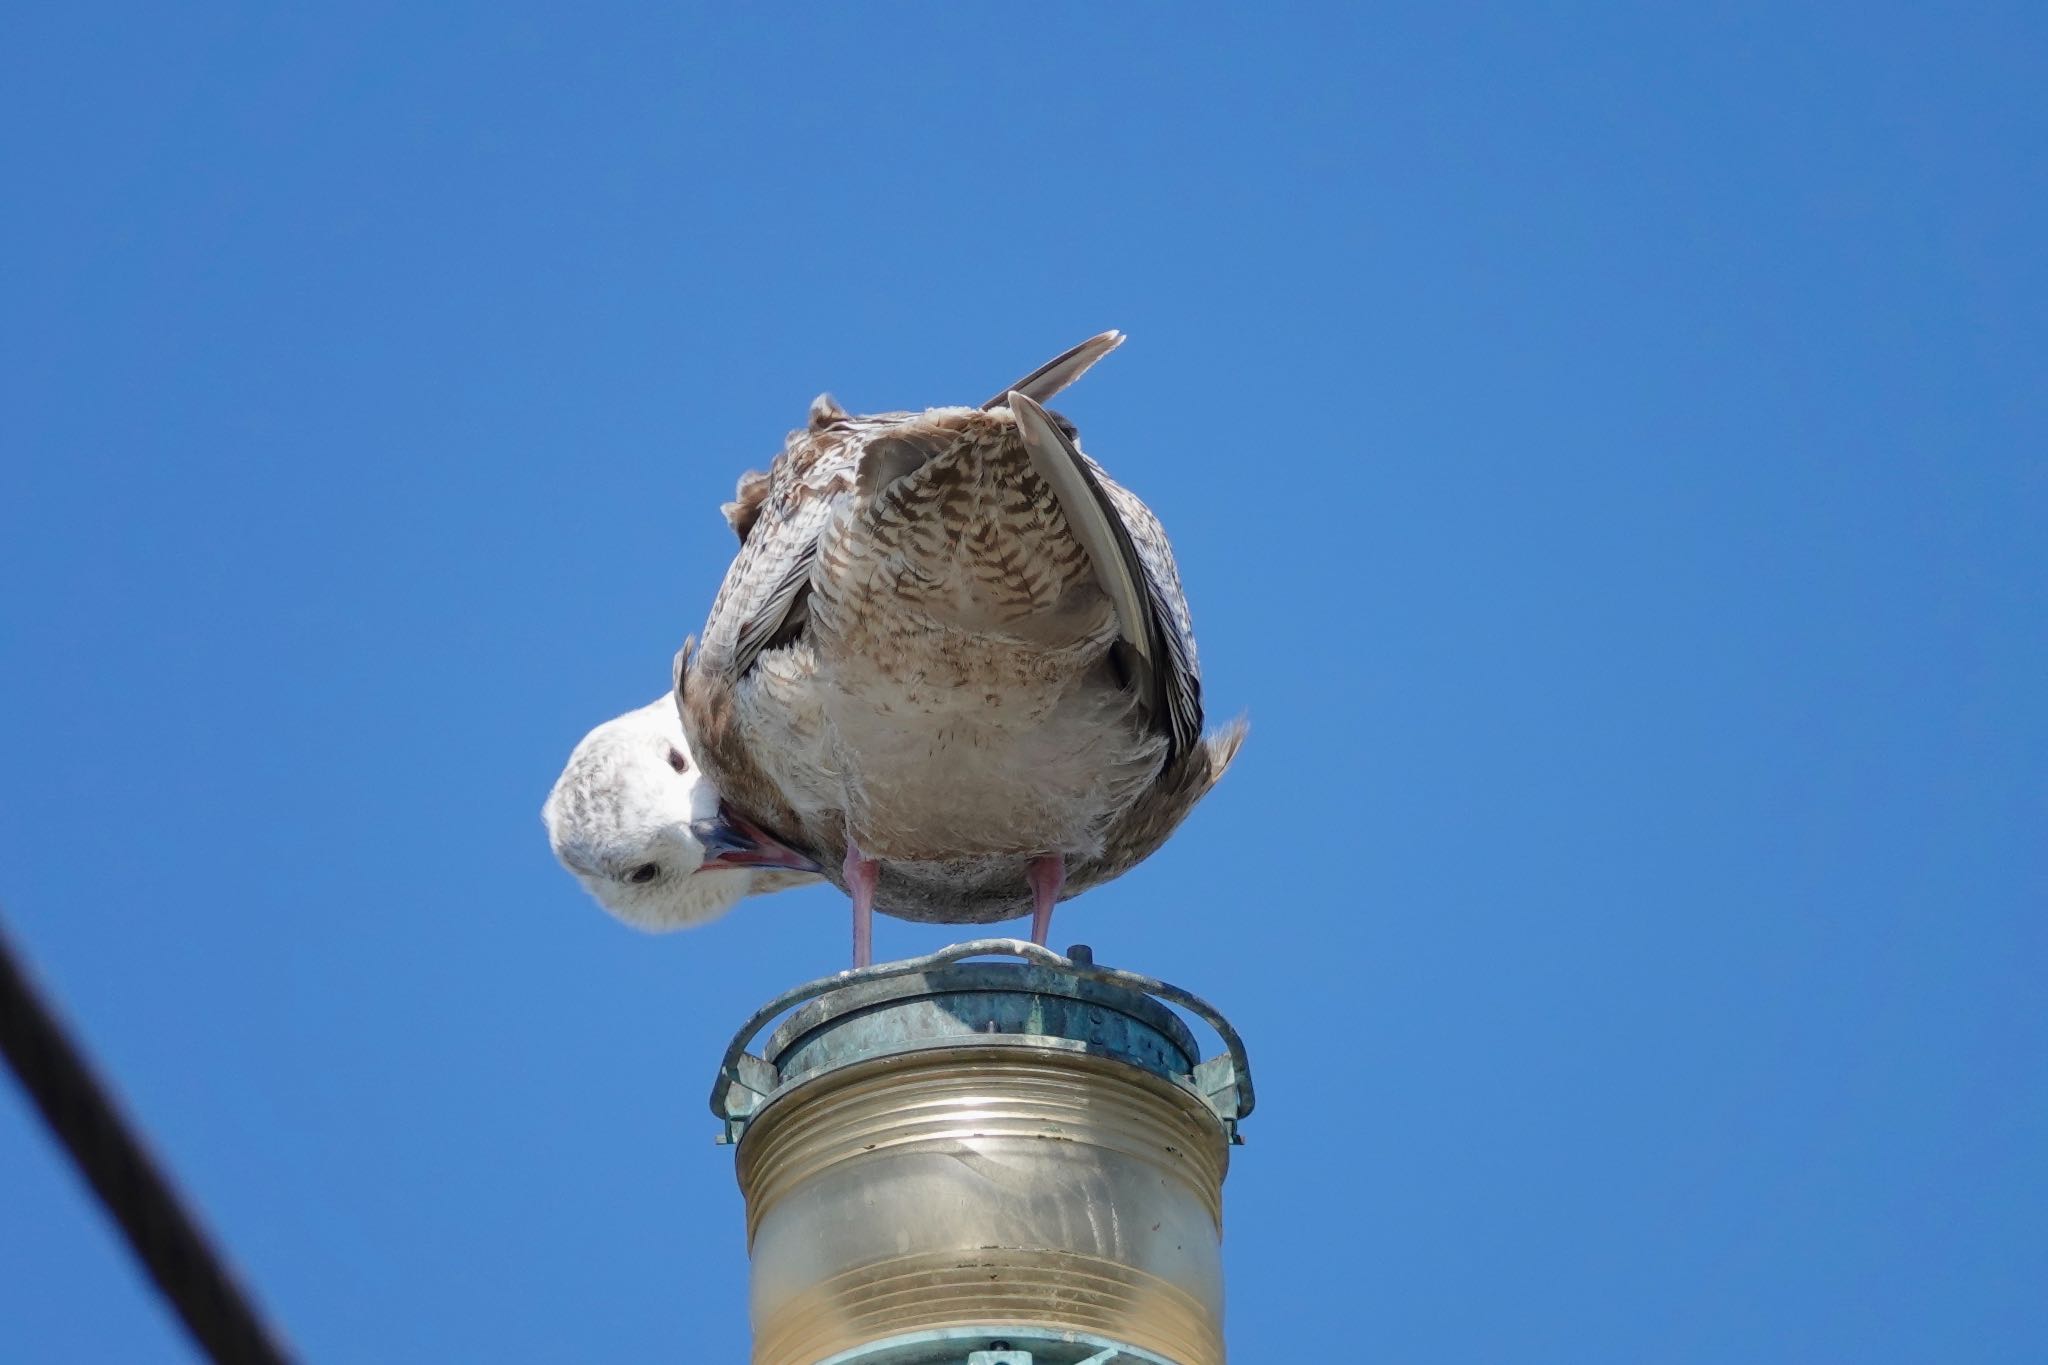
(1606, 456)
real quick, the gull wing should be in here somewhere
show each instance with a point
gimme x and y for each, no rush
(1134, 564)
(1063, 369)
(764, 590)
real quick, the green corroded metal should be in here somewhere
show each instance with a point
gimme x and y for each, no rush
(1062, 1003)
(1010, 1346)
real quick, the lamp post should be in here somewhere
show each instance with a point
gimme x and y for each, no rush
(954, 1162)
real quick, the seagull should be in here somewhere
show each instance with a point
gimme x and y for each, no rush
(952, 661)
(642, 828)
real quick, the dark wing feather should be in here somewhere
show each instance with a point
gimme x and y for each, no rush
(1168, 602)
(1063, 369)
(1134, 564)
(768, 578)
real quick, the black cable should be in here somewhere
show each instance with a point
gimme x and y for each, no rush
(164, 1236)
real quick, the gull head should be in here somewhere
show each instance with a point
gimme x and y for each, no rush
(646, 833)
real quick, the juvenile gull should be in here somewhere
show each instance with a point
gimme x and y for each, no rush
(641, 827)
(952, 661)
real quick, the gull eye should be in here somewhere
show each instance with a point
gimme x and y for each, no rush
(678, 760)
(644, 873)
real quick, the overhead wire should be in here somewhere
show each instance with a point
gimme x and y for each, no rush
(161, 1230)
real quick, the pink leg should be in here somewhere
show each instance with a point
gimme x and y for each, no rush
(1047, 873)
(862, 874)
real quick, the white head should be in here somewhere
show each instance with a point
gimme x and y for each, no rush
(644, 831)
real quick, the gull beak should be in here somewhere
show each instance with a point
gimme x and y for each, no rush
(732, 840)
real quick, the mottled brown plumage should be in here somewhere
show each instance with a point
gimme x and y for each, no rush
(952, 660)
(745, 508)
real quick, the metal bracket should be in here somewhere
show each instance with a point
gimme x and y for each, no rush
(745, 1080)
